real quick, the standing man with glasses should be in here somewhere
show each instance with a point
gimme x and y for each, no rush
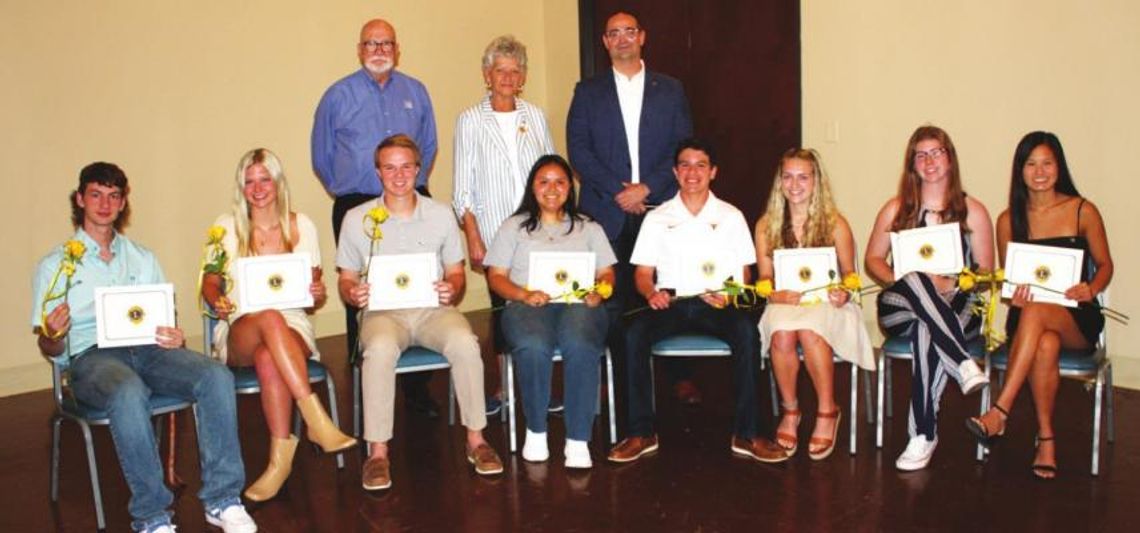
(623, 127)
(354, 115)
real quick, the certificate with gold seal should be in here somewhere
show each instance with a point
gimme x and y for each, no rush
(932, 249)
(704, 268)
(1052, 267)
(279, 281)
(129, 315)
(556, 272)
(805, 270)
(403, 281)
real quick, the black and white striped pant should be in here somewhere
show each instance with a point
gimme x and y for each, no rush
(938, 332)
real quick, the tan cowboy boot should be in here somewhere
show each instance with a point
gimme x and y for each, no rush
(322, 430)
(276, 472)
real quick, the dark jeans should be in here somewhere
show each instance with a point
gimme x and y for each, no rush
(734, 326)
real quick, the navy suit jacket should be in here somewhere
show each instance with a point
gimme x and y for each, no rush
(595, 135)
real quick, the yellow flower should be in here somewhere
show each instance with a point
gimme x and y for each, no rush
(604, 289)
(68, 268)
(967, 279)
(215, 235)
(377, 214)
(852, 282)
(73, 250)
(764, 288)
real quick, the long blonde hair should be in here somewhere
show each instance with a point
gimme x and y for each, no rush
(243, 229)
(819, 228)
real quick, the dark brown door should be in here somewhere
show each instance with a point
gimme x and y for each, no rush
(740, 64)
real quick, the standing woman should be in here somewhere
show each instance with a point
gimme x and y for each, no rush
(1045, 208)
(802, 214)
(496, 142)
(276, 343)
(548, 220)
(927, 309)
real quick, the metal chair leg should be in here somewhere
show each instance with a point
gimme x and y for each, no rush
(853, 419)
(93, 470)
(55, 423)
(1096, 423)
(503, 414)
(882, 400)
(331, 388)
(890, 382)
(357, 411)
(1110, 412)
(772, 387)
(868, 401)
(610, 391)
(450, 399)
(509, 395)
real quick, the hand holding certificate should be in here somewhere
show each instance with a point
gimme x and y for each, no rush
(932, 249)
(558, 273)
(808, 271)
(281, 281)
(1049, 271)
(403, 281)
(131, 315)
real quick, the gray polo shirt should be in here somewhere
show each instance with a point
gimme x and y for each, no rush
(430, 229)
(513, 245)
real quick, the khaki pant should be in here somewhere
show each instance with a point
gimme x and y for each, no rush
(386, 334)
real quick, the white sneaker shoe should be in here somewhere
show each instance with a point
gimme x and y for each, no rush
(232, 519)
(972, 377)
(535, 449)
(917, 454)
(578, 454)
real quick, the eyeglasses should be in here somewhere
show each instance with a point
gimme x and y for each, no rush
(929, 155)
(628, 33)
(384, 46)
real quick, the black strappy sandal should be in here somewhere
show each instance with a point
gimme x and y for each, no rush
(979, 429)
(1038, 469)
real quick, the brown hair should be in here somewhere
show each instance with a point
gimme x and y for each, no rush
(910, 184)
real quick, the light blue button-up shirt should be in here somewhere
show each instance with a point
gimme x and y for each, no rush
(354, 115)
(130, 264)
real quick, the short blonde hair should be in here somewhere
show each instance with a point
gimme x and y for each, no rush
(504, 46)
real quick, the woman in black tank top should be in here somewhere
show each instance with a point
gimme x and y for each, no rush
(1045, 208)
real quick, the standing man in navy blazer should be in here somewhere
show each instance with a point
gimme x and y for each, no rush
(623, 127)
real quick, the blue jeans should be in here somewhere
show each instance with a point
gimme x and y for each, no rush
(579, 332)
(121, 380)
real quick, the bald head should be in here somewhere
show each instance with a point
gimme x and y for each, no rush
(377, 49)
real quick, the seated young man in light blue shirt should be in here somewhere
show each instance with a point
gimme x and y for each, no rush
(121, 380)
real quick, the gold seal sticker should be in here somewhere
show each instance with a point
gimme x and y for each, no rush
(561, 277)
(136, 315)
(402, 280)
(805, 274)
(1042, 274)
(708, 268)
(926, 251)
(276, 281)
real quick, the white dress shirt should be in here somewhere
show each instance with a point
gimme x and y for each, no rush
(630, 92)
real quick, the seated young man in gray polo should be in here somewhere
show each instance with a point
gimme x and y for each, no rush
(121, 380)
(416, 224)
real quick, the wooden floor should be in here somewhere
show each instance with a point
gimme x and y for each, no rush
(692, 484)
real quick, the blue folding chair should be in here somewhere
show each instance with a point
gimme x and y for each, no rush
(686, 345)
(508, 379)
(414, 359)
(246, 382)
(68, 408)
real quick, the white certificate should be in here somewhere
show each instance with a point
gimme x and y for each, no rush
(128, 315)
(403, 281)
(1048, 266)
(803, 269)
(274, 282)
(704, 269)
(933, 249)
(556, 272)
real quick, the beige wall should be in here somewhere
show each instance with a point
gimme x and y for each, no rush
(175, 92)
(987, 72)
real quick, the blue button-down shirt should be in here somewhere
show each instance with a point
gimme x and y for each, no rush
(130, 264)
(354, 115)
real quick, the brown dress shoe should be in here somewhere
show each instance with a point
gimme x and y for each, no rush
(687, 392)
(485, 459)
(632, 448)
(760, 449)
(376, 475)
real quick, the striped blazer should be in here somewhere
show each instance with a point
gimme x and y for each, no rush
(485, 183)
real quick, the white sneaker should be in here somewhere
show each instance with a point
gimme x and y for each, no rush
(535, 449)
(917, 454)
(972, 378)
(232, 519)
(577, 454)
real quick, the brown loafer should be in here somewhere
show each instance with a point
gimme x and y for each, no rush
(486, 461)
(633, 448)
(687, 392)
(760, 449)
(376, 475)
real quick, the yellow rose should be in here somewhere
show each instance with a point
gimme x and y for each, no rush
(852, 282)
(604, 289)
(73, 250)
(215, 234)
(377, 214)
(764, 288)
(966, 280)
(68, 268)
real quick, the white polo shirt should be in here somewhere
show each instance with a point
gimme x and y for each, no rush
(670, 235)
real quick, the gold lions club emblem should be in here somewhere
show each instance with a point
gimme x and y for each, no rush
(561, 277)
(136, 315)
(402, 280)
(805, 274)
(1042, 274)
(275, 282)
(708, 268)
(926, 251)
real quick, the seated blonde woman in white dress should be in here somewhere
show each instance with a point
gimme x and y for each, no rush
(276, 343)
(802, 214)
